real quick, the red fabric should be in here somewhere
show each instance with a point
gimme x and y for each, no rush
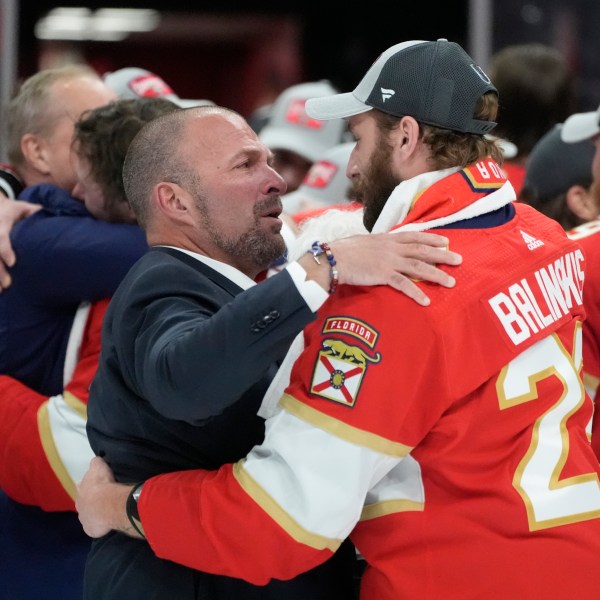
(89, 352)
(496, 518)
(516, 175)
(26, 474)
(216, 519)
(315, 212)
(588, 237)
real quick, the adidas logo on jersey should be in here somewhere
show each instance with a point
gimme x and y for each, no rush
(531, 242)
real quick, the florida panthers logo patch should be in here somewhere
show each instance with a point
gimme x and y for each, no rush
(339, 371)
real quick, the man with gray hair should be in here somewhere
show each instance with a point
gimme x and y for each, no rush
(39, 126)
(43, 549)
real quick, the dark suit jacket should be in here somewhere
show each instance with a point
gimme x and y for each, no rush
(186, 359)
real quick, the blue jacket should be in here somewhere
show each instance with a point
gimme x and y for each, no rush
(64, 256)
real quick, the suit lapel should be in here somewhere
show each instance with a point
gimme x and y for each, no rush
(201, 267)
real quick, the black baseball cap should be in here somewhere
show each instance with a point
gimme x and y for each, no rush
(553, 166)
(437, 83)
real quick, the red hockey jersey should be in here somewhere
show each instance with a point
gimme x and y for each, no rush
(449, 442)
(588, 237)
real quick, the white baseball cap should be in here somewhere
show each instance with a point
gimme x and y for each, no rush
(581, 126)
(290, 128)
(133, 82)
(325, 184)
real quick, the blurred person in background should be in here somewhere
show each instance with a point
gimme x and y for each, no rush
(558, 180)
(295, 139)
(536, 87)
(135, 82)
(578, 129)
(68, 258)
(325, 186)
(38, 126)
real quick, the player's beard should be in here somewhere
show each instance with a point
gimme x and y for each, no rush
(375, 185)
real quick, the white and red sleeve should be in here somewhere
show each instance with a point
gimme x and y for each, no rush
(44, 450)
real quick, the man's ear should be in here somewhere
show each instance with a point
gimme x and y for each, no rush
(581, 202)
(408, 157)
(34, 151)
(405, 136)
(173, 201)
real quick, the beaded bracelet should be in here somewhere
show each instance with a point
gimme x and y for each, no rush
(319, 248)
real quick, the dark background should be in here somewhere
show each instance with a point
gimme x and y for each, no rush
(241, 54)
(331, 43)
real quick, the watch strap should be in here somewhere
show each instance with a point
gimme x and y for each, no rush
(131, 508)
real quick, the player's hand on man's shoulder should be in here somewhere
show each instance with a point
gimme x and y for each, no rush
(396, 260)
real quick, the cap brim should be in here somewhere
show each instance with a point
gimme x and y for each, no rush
(509, 150)
(193, 103)
(579, 127)
(339, 106)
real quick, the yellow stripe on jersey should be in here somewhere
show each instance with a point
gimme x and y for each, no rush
(342, 430)
(279, 514)
(390, 507)
(591, 383)
(484, 176)
(51, 451)
(76, 404)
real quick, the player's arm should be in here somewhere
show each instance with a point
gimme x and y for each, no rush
(287, 492)
(395, 259)
(30, 469)
(11, 211)
(44, 449)
(591, 377)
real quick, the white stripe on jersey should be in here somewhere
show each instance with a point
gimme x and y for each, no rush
(67, 427)
(335, 473)
(75, 339)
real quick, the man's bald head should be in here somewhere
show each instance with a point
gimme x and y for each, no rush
(155, 155)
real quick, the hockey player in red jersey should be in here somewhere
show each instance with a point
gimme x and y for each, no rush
(449, 442)
(588, 237)
(577, 128)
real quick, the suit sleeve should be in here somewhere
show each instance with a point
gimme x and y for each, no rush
(44, 450)
(233, 344)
